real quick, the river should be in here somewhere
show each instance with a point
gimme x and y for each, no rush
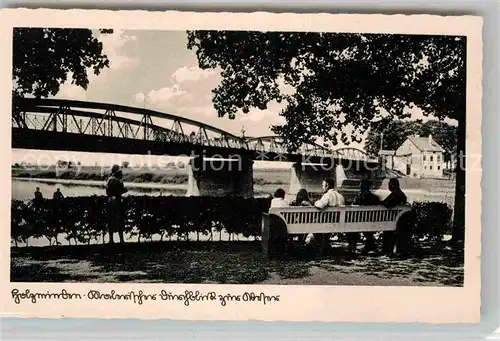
(24, 188)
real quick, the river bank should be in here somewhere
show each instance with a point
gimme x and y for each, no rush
(23, 188)
(179, 176)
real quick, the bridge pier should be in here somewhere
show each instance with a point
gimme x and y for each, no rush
(311, 176)
(352, 176)
(220, 177)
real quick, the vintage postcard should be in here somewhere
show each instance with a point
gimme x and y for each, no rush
(241, 166)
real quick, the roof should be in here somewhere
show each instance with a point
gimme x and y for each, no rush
(386, 152)
(426, 144)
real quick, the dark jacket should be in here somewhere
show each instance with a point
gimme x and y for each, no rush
(367, 199)
(396, 198)
(115, 187)
(303, 203)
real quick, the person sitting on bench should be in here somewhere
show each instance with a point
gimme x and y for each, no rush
(364, 198)
(330, 198)
(302, 199)
(279, 199)
(395, 198)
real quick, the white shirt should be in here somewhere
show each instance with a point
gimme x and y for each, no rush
(279, 202)
(330, 198)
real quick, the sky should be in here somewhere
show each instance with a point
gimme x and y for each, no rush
(154, 69)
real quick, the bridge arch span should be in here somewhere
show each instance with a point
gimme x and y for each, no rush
(30, 104)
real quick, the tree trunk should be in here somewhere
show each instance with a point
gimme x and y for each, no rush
(458, 228)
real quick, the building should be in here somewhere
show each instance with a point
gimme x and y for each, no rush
(420, 157)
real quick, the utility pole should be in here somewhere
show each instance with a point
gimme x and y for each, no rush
(381, 140)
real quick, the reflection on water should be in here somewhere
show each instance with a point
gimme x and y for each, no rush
(24, 189)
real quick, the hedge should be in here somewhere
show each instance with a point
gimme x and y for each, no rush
(83, 219)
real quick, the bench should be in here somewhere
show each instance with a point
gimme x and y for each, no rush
(282, 222)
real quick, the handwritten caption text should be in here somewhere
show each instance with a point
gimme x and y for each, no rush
(140, 297)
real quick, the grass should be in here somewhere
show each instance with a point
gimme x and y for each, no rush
(229, 263)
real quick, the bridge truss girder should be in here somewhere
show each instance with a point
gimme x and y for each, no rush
(101, 120)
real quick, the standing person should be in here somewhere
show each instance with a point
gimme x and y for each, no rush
(114, 190)
(364, 198)
(395, 198)
(330, 198)
(58, 194)
(57, 211)
(38, 194)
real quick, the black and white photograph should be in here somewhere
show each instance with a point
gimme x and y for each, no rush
(241, 157)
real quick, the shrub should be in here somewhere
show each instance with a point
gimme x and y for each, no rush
(83, 219)
(432, 219)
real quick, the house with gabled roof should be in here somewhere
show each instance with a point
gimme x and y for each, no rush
(420, 157)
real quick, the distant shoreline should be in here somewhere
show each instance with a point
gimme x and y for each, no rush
(178, 178)
(170, 177)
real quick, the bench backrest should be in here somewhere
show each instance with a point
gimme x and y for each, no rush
(306, 219)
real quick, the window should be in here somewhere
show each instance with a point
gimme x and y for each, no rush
(439, 167)
(424, 157)
(425, 167)
(431, 158)
(438, 157)
(430, 167)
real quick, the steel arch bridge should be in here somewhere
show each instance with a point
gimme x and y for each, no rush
(276, 143)
(59, 124)
(101, 119)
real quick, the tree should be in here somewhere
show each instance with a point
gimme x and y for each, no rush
(396, 132)
(444, 134)
(43, 57)
(125, 164)
(339, 80)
